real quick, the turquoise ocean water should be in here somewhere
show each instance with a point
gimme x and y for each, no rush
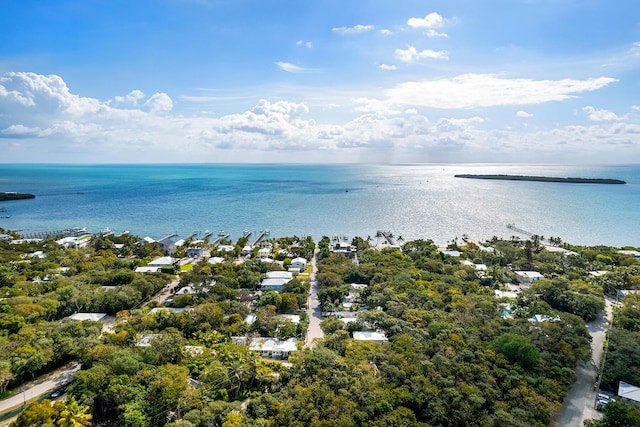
(415, 201)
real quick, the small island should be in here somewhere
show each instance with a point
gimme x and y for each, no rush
(544, 179)
(11, 195)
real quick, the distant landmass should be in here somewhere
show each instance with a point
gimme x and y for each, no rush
(544, 179)
(10, 195)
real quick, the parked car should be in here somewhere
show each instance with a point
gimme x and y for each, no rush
(59, 392)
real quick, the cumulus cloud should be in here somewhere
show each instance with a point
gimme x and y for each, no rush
(601, 115)
(429, 23)
(159, 103)
(131, 98)
(308, 45)
(386, 32)
(40, 111)
(488, 90)
(352, 30)
(290, 68)
(387, 67)
(523, 114)
(411, 54)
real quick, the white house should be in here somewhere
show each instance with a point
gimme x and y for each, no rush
(279, 275)
(264, 252)
(452, 253)
(635, 254)
(187, 290)
(246, 250)
(96, 317)
(528, 277)
(147, 269)
(559, 250)
(539, 318)
(268, 347)
(299, 263)
(226, 248)
(369, 336)
(165, 261)
(273, 284)
(72, 242)
(293, 317)
(215, 260)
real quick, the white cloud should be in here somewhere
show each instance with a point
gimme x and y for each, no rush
(131, 98)
(488, 90)
(308, 45)
(429, 23)
(601, 115)
(635, 107)
(411, 54)
(386, 32)
(352, 30)
(387, 67)
(369, 105)
(159, 103)
(20, 130)
(42, 117)
(523, 114)
(290, 68)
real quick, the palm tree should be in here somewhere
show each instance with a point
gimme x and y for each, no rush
(74, 415)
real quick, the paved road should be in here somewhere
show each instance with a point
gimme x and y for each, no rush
(166, 292)
(58, 379)
(579, 404)
(313, 306)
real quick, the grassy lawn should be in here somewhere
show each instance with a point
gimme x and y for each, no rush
(186, 267)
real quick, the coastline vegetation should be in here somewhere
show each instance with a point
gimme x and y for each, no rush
(454, 354)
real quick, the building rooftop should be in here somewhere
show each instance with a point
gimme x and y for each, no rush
(369, 336)
(96, 317)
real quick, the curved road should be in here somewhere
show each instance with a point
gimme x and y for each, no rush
(314, 310)
(579, 403)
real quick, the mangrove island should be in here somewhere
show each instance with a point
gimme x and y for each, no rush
(544, 179)
(10, 195)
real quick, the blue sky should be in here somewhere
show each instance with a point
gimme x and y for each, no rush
(320, 81)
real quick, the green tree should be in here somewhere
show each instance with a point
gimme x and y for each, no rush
(74, 415)
(517, 349)
(36, 414)
(617, 414)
